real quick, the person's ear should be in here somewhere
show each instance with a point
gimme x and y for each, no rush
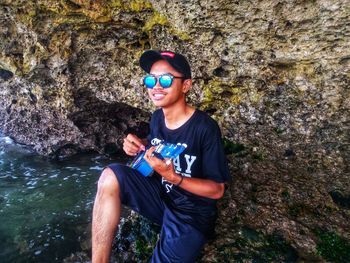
(186, 85)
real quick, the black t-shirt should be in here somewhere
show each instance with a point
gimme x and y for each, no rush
(203, 158)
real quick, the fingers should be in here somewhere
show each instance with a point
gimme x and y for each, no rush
(136, 140)
(162, 167)
(132, 145)
(155, 162)
(129, 148)
(168, 161)
(149, 154)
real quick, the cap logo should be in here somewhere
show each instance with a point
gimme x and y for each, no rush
(168, 54)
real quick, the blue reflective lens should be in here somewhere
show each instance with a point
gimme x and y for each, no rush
(165, 81)
(150, 81)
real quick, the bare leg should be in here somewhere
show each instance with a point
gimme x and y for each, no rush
(105, 217)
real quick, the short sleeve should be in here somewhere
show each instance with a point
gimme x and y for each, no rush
(215, 165)
(153, 125)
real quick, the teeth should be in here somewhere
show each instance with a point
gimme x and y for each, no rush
(158, 95)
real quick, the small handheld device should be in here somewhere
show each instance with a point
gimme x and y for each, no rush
(163, 150)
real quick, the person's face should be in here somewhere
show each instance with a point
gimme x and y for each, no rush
(176, 93)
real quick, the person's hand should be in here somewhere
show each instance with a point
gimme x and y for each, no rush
(132, 145)
(163, 167)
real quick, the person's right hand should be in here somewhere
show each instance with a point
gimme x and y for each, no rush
(133, 145)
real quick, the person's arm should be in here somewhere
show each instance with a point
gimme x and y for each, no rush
(202, 187)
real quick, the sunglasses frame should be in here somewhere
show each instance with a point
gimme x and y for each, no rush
(157, 78)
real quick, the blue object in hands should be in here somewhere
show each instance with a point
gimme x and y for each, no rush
(163, 150)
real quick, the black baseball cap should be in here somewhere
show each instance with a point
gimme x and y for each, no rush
(176, 60)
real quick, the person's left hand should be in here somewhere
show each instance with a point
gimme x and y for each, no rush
(163, 167)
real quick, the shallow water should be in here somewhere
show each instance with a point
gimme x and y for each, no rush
(45, 205)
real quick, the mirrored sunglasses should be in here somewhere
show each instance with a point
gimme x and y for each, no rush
(165, 80)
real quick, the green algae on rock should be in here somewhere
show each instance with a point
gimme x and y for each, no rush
(332, 247)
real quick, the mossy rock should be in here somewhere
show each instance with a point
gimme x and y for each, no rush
(332, 247)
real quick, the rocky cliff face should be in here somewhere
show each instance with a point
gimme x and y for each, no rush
(274, 74)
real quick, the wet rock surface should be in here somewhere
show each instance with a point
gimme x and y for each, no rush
(274, 74)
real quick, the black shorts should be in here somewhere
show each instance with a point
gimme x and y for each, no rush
(179, 241)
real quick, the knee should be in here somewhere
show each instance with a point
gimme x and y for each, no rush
(108, 181)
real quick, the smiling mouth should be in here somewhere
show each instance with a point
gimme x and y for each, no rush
(158, 95)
